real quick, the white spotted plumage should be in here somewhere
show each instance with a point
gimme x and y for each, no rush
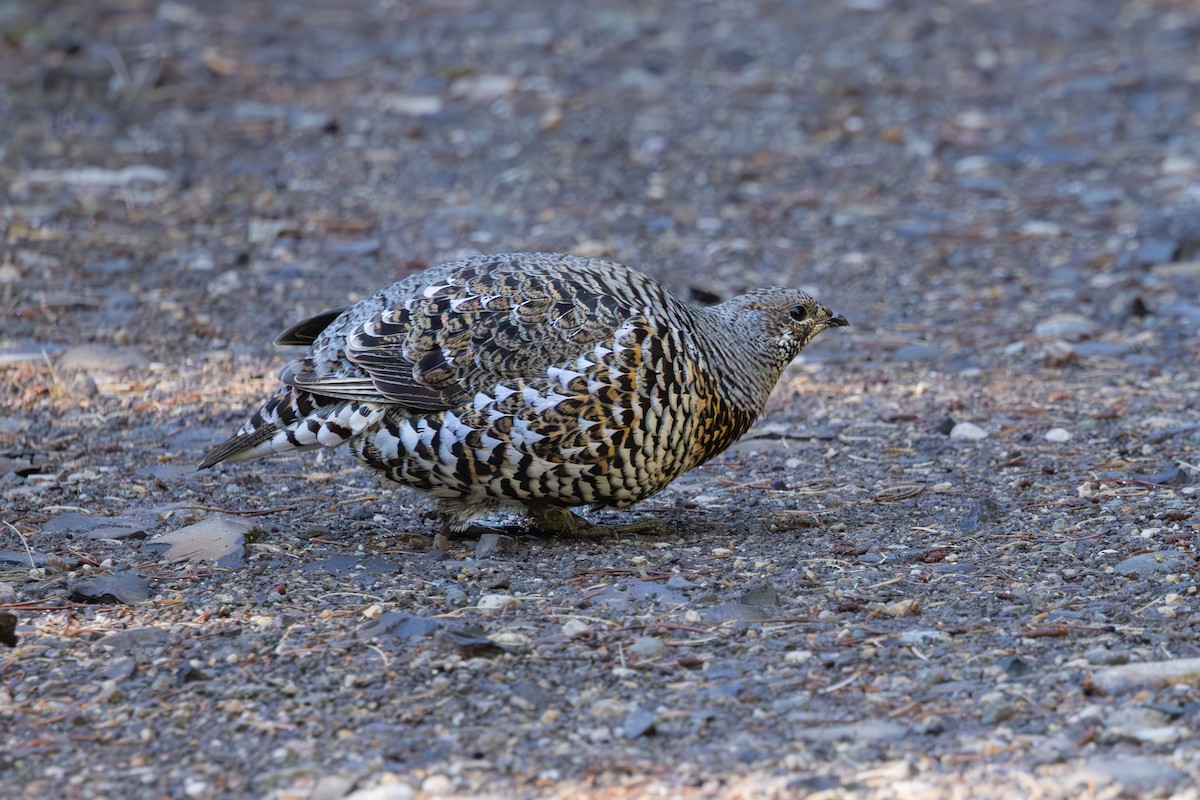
(537, 380)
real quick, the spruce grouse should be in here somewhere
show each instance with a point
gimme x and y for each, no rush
(541, 381)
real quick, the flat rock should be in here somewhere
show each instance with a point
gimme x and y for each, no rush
(398, 625)
(1144, 565)
(1136, 775)
(1147, 674)
(221, 540)
(867, 731)
(124, 587)
(101, 358)
(353, 565)
(730, 612)
(1069, 327)
(131, 531)
(134, 639)
(763, 595)
(74, 522)
(22, 558)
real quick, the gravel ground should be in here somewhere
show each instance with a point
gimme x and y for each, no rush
(957, 558)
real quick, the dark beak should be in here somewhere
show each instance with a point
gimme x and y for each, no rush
(837, 321)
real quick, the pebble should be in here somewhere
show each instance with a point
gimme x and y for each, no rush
(1102, 656)
(648, 648)
(1041, 228)
(413, 105)
(1058, 435)
(763, 595)
(915, 636)
(903, 608)
(994, 708)
(455, 597)
(968, 431)
(1147, 674)
(639, 723)
(496, 544)
(221, 540)
(574, 627)
(333, 786)
(681, 583)
(1068, 327)
(496, 602)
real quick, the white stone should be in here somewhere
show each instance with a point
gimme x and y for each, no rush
(968, 431)
(1058, 435)
(492, 602)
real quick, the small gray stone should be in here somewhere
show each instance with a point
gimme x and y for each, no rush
(120, 669)
(858, 732)
(529, 696)
(347, 565)
(101, 358)
(1147, 564)
(496, 544)
(1066, 326)
(916, 636)
(1139, 776)
(994, 708)
(124, 587)
(117, 532)
(1102, 656)
(132, 639)
(681, 583)
(73, 522)
(455, 597)
(764, 595)
(22, 558)
(1156, 251)
(398, 625)
(639, 723)
(648, 648)
(729, 612)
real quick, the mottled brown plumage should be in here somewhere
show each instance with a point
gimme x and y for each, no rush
(537, 380)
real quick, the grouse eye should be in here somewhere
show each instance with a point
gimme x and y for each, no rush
(798, 313)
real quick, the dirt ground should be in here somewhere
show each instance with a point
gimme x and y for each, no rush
(956, 558)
